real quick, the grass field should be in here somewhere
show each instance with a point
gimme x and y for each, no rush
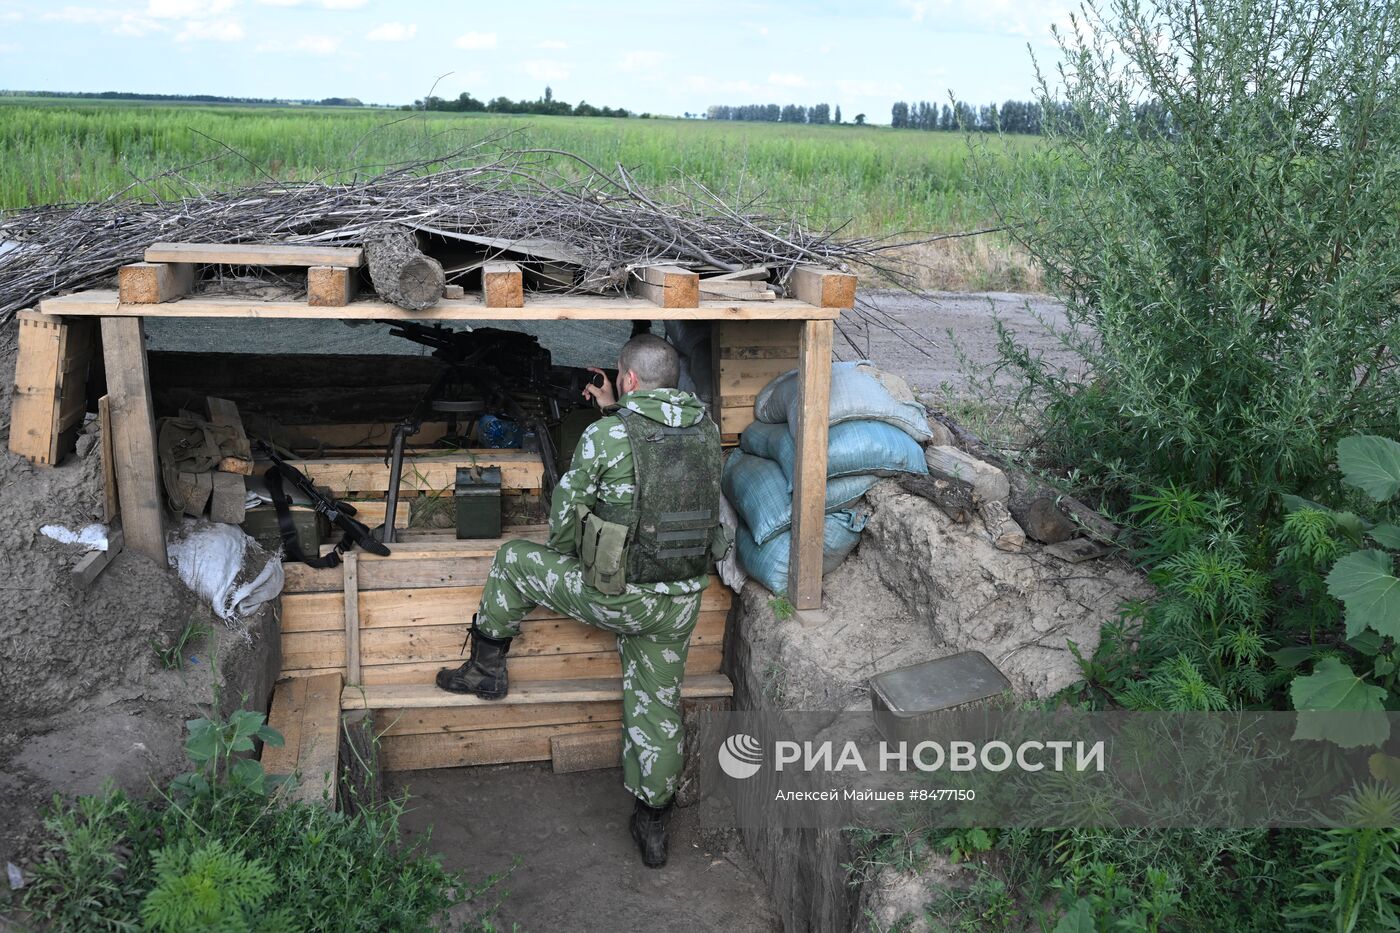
(874, 179)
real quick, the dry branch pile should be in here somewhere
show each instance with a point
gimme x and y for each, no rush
(555, 205)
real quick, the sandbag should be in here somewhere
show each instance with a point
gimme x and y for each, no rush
(768, 563)
(859, 391)
(853, 447)
(759, 492)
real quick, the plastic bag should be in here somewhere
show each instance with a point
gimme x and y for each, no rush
(761, 495)
(853, 447)
(859, 391)
(210, 556)
(768, 563)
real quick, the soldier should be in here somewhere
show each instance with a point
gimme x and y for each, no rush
(633, 527)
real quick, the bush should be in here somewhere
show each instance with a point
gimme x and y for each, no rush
(219, 852)
(1216, 203)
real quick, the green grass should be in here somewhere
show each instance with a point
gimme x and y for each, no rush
(880, 180)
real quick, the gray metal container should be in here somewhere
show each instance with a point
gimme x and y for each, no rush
(904, 698)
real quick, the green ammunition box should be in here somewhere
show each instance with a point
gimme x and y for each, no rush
(260, 523)
(904, 699)
(478, 500)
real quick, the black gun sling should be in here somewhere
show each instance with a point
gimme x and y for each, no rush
(290, 542)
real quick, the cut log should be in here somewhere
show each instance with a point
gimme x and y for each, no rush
(989, 484)
(402, 275)
(1005, 533)
(953, 496)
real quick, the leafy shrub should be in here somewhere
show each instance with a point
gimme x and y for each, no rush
(220, 853)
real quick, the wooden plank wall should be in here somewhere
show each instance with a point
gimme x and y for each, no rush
(747, 356)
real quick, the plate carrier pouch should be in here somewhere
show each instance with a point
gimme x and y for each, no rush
(672, 530)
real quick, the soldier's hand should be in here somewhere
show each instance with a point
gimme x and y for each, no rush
(600, 390)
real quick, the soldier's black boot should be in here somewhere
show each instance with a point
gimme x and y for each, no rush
(649, 832)
(484, 672)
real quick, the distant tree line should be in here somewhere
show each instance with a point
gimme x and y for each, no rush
(773, 113)
(189, 98)
(547, 105)
(1013, 116)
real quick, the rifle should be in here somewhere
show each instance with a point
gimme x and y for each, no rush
(338, 513)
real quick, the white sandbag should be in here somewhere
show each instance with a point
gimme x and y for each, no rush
(731, 572)
(859, 391)
(211, 556)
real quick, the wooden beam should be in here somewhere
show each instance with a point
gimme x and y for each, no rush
(50, 387)
(428, 696)
(668, 286)
(586, 751)
(110, 508)
(134, 436)
(502, 285)
(105, 303)
(809, 466)
(330, 286)
(351, 566)
(307, 713)
(520, 469)
(94, 562)
(823, 288)
(248, 254)
(154, 282)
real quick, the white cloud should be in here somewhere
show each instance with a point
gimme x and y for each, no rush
(310, 45)
(186, 9)
(119, 23)
(476, 40)
(343, 4)
(392, 32)
(641, 61)
(552, 44)
(280, 2)
(136, 26)
(545, 70)
(787, 80)
(11, 16)
(211, 30)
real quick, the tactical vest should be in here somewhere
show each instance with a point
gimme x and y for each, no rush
(673, 529)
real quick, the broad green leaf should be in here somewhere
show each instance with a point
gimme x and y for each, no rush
(1387, 535)
(246, 722)
(270, 736)
(203, 742)
(1367, 643)
(1336, 705)
(1365, 582)
(1292, 503)
(247, 773)
(1078, 919)
(1385, 767)
(1372, 464)
(1292, 657)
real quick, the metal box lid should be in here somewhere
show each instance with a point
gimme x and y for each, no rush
(478, 480)
(943, 683)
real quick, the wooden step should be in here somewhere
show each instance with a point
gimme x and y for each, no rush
(306, 710)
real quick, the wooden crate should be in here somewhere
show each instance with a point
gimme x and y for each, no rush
(50, 397)
(747, 356)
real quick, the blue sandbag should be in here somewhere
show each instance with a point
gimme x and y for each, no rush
(856, 394)
(759, 492)
(853, 447)
(768, 563)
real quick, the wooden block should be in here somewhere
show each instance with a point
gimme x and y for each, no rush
(225, 413)
(149, 283)
(109, 470)
(823, 288)
(453, 292)
(195, 490)
(460, 749)
(989, 484)
(668, 286)
(248, 254)
(350, 566)
(229, 497)
(307, 713)
(502, 285)
(330, 286)
(809, 466)
(133, 436)
(50, 394)
(94, 562)
(586, 751)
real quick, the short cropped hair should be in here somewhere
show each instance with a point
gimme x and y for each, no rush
(653, 360)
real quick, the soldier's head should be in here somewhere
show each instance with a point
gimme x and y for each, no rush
(647, 362)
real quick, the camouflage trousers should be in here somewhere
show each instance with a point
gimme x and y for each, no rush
(653, 635)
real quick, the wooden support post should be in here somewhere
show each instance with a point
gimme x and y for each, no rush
(809, 465)
(134, 436)
(330, 286)
(668, 286)
(823, 288)
(149, 283)
(351, 565)
(110, 509)
(502, 285)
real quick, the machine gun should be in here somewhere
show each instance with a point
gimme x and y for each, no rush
(485, 370)
(338, 513)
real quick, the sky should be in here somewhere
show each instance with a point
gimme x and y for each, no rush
(666, 58)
